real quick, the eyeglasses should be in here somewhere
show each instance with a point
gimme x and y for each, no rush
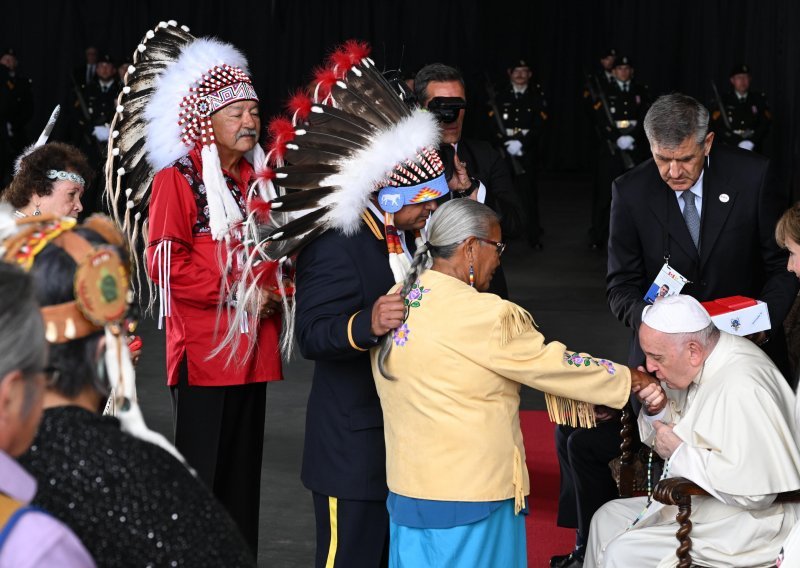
(499, 247)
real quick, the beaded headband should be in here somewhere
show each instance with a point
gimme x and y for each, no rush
(220, 86)
(62, 175)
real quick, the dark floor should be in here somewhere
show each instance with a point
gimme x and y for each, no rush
(563, 286)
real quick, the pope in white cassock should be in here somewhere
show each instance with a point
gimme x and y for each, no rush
(727, 424)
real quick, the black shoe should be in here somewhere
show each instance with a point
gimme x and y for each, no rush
(570, 560)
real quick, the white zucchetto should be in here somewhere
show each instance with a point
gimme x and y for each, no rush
(676, 314)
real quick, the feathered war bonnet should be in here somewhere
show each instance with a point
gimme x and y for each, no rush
(164, 111)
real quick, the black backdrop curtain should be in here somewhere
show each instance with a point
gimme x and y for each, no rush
(676, 46)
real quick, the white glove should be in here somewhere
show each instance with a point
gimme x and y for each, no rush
(514, 147)
(747, 145)
(101, 132)
(625, 142)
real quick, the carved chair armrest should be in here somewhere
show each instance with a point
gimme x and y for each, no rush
(677, 491)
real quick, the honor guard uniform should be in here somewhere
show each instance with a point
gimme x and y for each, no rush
(602, 77)
(619, 113)
(523, 116)
(741, 117)
(95, 112)
(16, 101)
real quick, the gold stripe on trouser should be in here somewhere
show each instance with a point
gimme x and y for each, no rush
(332, 510)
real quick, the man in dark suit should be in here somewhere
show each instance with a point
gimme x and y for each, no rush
(485, 166)
(341, 312)
(710, 214)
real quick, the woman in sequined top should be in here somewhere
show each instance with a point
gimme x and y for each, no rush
(129, 501)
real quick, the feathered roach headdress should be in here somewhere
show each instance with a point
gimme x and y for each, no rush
(100, 303)
(175, 84)
(348, 138)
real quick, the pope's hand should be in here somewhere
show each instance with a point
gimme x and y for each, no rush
(666, 441)
(652, 397)
(387, 314)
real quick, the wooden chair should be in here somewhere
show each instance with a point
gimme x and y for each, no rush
(676, 491)
(630, 468)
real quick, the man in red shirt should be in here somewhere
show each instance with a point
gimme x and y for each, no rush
(202, 127)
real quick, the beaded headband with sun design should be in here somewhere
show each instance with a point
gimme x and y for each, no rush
(101, 277)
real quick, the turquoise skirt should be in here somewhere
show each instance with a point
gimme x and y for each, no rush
(497, 541)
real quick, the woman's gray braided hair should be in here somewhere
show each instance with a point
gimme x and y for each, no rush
(450, 225)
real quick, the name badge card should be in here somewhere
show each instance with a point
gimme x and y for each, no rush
(668, 283)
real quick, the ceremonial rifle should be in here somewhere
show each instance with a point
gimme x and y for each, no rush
(725, 120)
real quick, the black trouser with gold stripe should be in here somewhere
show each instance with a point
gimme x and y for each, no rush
(351, 534)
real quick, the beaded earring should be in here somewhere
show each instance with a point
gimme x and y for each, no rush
(37, 211)
(471, 276)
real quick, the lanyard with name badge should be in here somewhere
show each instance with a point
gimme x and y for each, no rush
(668, 281)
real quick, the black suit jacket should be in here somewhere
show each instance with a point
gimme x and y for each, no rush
(338, 279)
(738, 254)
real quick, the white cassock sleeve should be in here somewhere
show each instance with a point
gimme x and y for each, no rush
(691, 463)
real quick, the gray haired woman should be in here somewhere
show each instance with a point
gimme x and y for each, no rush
(449, 379)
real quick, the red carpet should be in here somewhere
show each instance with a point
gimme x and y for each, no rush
(544, 538)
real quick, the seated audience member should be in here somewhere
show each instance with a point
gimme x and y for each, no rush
(28, 536)
(449, 379)
(727, 423)
(129, 500)
(50, 181)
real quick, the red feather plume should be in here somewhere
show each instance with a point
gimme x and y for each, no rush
(324, 79)
(299, 105)
(281, 128)
(265, 174)
(260, 208)
(266, 274)
(350, 53)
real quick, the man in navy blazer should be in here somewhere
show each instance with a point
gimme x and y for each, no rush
(342, 310)
(724, 245)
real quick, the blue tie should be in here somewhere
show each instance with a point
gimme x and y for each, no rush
(691, 216)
